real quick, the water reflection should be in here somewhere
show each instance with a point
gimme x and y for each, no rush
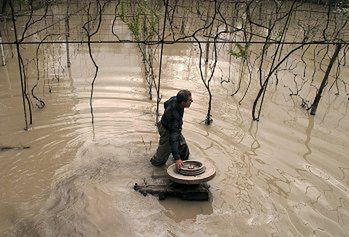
(286, 175)
(308, 133)
(179, 210)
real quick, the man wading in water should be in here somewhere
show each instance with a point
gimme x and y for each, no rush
(170, 130)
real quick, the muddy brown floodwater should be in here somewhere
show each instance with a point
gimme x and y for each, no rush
(287, 175)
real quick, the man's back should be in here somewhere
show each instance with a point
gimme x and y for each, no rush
(173, 115)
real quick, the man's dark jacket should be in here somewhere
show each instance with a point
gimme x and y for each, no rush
(172, 120)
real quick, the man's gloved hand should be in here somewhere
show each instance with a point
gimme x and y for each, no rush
(179, 164)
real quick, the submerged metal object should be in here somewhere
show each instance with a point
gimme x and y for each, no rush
(193, 172)
(192, 168)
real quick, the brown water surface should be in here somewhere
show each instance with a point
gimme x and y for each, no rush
(286, 175)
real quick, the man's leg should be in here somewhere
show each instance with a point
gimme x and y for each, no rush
(164, 148)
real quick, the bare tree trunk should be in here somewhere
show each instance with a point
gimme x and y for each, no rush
(89, 35)
(325, 80)
(2, 52)
(264, 85)
(67, 33)
(210, 32)
(161, 53)
(19, 65)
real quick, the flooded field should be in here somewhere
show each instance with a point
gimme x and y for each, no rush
(286, 175)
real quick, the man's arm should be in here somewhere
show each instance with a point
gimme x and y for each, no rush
(175, 132)
(174, 142)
